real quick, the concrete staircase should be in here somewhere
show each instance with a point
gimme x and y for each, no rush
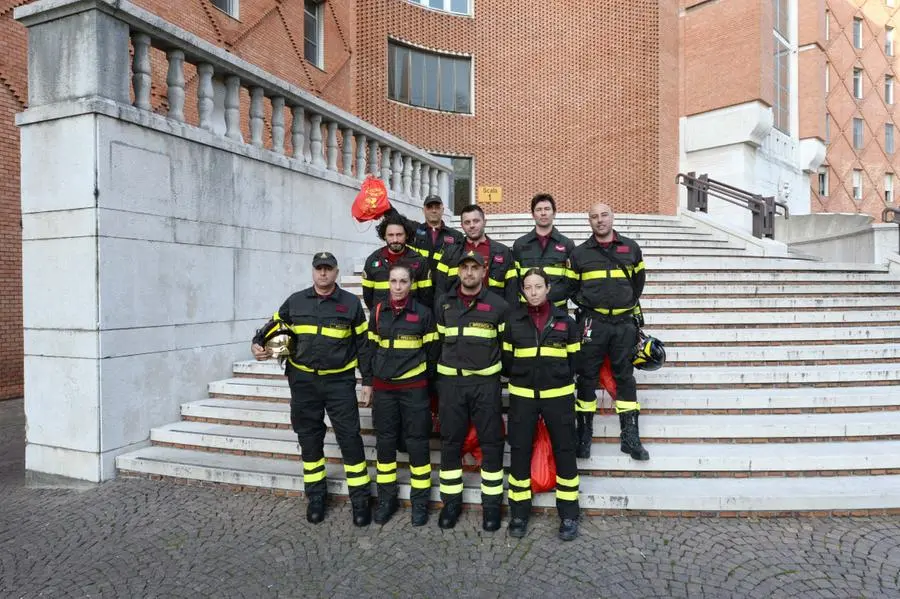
(781, 393)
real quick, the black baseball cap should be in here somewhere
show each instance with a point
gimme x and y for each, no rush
(324, 259)
(471, 255)
(432, 199)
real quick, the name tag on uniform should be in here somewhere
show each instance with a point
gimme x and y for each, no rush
(498, 259)
(410, 317)
(448, 239)
(560, 248)
(622, 249)
(341, 308)
(560, 326)
(483, 307)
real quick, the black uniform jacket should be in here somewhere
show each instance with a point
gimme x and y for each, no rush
(330, 335)
(540, 364)
(554, 259)
(502, 276)
(404, 344)
(376, 276)
(603, 286)
(470, 336)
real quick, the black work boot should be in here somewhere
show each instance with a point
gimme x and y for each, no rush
(631, 438)
(419, 516)
(490, 518)
(387, 505)
(585, 428)
(518, 526)
(362, 512)
(568, 529)
(315, 511)
(450, 514)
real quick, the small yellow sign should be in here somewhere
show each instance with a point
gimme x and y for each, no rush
(490, 195)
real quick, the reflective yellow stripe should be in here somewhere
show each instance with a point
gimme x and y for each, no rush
(429, 337)
(442, 330)
(507, 346)
(276, 317)
(354, 468)
(613, 311)
(421, 284)
(573, 348)
(443, 268)
(467, 332)
(412, 372)
(524, 352)
(585, 406)
(638, 267)
(463, 372)
(561, 303)
(374, 337)
(567, 495)
(421, 251)
(380, 285)
(313, 465)
(399, 343)
(353, 364)
(383, 479)
(451, 474)
(362, 327)
(305, 329)
(519, 495)
(453, 489)
(511, 274)
(519, 483)
(359, 480)
(571, 274)
(488, 475)
(420, 470)
(392, 467)
(627, 406)
(496, 283)
(501, 327)
(336, 333)
(556, 271)
(532, 352)
(569, 482)
(313, 477)
(492, 490)
(453, 272)
(420, 483)
(437, 256)
(617, 273)
(543, 393)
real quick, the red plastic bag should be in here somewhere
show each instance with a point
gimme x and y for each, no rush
(372, 200)
(543, 465)
(607, 379)
(471, 445)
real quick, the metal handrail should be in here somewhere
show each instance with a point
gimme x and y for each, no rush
(895, 218)
(762, 208)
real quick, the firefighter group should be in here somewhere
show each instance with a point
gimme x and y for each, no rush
(451, 317)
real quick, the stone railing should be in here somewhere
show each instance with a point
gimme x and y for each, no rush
(302, 127)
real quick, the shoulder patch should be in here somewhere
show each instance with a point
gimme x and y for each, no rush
(623, 249)
(376, 263)
(449, 239)
(498, 259)
(560, 247)
(482, 307)
(560, 326)
(412, 317)
(341, 308)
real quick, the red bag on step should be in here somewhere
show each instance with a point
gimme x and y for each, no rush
(372, 200)
(543, 465)
(607, 379)
(470, 444)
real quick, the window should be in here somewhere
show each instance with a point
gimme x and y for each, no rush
(827, 128)
(313, 33)
(428, 79)
(823, 183)
(888, 188)
(857, 84)
(827, 77)
(858, 133)
(857, 33)
(229, 7)
(889, 41)
(460, 7)
(827, 25)
(857, 184)
(780, 7)
(889, 138)
(460, 182)
(888, 89)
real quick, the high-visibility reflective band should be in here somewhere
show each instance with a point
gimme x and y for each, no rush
(399, 343)
(613, 311)
(449, 484)
(496, 283)
(313, 465)
(360, 480)
(573, 348)
(436, 256)
(451, 489)
(421, 284)
(491, 489)
(444, 268)
(542, 393)
(561, 303)
(585, 406)
(374, 337)
(420, 483)
(567, 495)
(305, 329)
(380, 285)
(519, 495)
(617, 273)
(511, 274)
(532, 352)
(354, 468)
(421, 251)
(413, 372)
(446, 370)
(571, 274)
(451, 474)
(429, 337)
(392, 467)
(638, 267)
(488, 475)
(353, 364)
(569, 482)
(501, 327)
(383, 479)
(274, 328)
(555, 271)
(362, 328)
(276, 317)
(627, 406)
(336, 333)
(313, 477)
(420, 470)
(513, 481)
(468, 332)
(507, 346)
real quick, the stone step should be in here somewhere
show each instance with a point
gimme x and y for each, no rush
(647, 244)
(701, 317)
(764, 278)
(721, 459)
(769, 303)
(727, 496)
(655, 289)
(781, 335)
(689, 400)
(663, 427)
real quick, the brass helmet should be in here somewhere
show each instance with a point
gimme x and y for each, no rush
(649, 353)
(276, 337)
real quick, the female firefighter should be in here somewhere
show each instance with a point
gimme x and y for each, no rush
(403, 340)
(540, 342)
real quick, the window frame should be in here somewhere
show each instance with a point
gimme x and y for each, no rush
(461, 66)
(889, 90)
(857, 83)
(889, 138)
(446, 7)
(888, 40)
(233, 10)
(823, 183)
(889, 188)
(857, 33)
(319, 63)
(858, 127)
(857, 189)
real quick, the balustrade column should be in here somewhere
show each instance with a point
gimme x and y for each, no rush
(278, 124)
(373, 158)
(442, 183)
(175, 84)
(416, 191)
(386, 164)
(361, 148)
(332, 145)
(140, 68)
(397, 172)
(426, 173)
(347, 156)
(407, 176)
(315, 140)
(298, 132)
(257, 112)
(233, 107)
(433, 187)
(205, 95)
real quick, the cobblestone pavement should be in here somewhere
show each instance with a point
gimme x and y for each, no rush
(139, 538)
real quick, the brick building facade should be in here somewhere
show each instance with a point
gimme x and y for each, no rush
(586, 100)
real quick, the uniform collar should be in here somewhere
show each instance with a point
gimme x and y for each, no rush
(454, 291)
(592, 241)
(311, 292)
(533, 235)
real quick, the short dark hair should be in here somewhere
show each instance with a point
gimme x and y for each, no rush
(391, 219)
(472, 208)
(403, 265)
(537, 270)
(542, 197)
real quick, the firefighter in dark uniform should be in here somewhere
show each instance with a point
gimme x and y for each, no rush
(500, 274)
(610, 271)
(540, 342)
(330, 338)
(375, 271)
(546, 247)
(403, 337)
(470, 320)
